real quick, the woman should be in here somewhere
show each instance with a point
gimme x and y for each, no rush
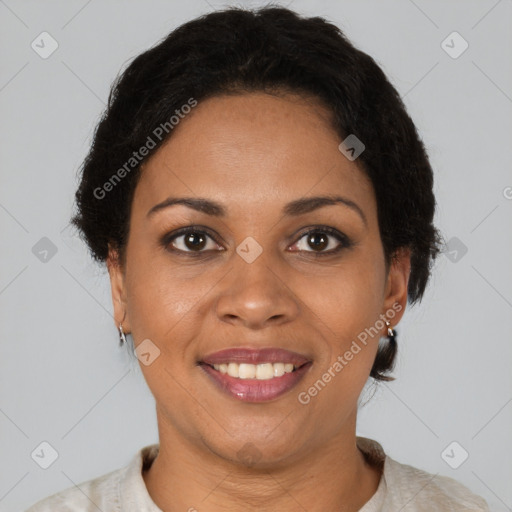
(264, 206)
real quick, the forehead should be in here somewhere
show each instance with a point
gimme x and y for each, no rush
(253, 149)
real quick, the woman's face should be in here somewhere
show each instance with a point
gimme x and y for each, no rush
(248, 277)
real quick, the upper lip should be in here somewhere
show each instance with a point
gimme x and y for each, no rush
(255, 356)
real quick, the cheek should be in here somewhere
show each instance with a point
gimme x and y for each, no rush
(160, 304)
(348, 304)
(350, 298)
(160, 309)
(164, 310)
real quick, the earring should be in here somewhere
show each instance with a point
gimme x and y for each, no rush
(122, 337)
(391, 332)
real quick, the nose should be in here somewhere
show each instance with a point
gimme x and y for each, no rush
(255, 296)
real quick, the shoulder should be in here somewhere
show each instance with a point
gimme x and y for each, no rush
(108, 492)
(414, 490)
(93, 495)
(423, 491)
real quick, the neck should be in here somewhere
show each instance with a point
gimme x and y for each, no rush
(187, 476)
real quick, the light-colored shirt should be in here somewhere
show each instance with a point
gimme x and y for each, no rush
(401, 488)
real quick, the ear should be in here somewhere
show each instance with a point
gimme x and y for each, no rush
(118, 289)
(395, 293)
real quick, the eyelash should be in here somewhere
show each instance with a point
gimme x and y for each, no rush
(345, 242)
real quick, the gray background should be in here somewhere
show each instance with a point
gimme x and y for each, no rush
(63, 378)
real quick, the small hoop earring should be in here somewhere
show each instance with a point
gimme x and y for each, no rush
(391, 332)
(122, 337)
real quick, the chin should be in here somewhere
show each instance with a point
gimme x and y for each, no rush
(254, 448)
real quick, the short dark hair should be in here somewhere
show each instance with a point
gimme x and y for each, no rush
(270, 49)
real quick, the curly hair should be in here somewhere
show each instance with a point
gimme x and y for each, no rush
(270, 49)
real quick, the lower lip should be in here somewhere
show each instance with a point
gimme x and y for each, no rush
(255, 390)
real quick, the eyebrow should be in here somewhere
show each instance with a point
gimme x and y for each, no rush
(292, 209)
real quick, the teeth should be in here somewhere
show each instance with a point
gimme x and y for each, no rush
(232, 369)
(278, 369)
(263, 371)
(246, 371)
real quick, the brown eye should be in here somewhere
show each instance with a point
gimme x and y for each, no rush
(194, 241)
(318, 241)
(190, 241)
(322, 241)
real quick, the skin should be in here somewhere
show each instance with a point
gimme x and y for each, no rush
(254, 153)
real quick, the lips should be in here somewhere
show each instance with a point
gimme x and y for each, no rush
(265, 387)
(252, 356)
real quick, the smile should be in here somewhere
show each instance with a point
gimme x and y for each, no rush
(255, 375)
(262, 371)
